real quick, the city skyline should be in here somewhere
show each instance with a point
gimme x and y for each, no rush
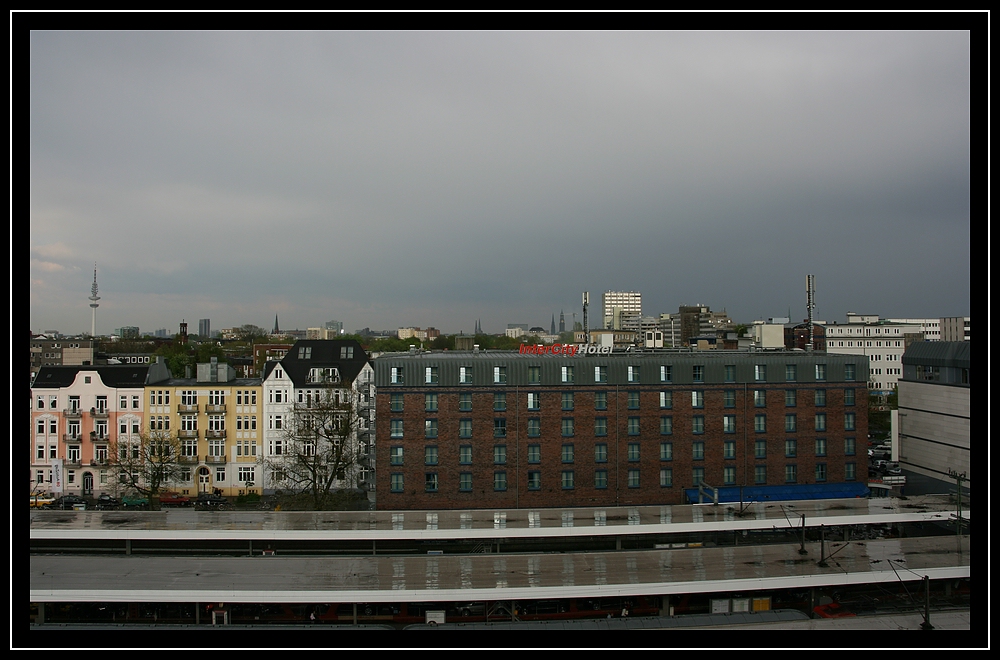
(172, 330)
(435, 179)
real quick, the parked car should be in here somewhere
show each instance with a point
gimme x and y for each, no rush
(212, 501)
(891, 468)
(174, 499)
(107, 503)
(67, 502)
(135, 502)
(40, 500)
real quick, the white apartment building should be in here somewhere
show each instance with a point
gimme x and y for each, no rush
(882, 341)
(930, 327)
(950, 328)
(618, 304)
(310, 366)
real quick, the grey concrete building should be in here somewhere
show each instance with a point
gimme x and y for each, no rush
(934, 408)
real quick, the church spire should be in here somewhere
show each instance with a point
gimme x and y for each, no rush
(275, 331)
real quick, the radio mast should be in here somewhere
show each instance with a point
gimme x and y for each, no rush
(810, 306)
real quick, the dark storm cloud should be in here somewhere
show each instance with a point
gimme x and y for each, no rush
(389, 179)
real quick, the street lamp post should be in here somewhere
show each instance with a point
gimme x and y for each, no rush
(926, 625)
(959, 477)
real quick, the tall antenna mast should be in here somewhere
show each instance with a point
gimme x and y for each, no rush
(93, 304)
(586, 328)
(810, 306)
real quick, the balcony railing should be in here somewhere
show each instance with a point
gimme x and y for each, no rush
(187, 459)
(99, 437)
(217, 433)
(321, 377)
(215, 407)
(73, 463)
(185, 433)
(72, 437)
(215, 459)
(72, 412)
(187, 407)
(99, 413)
(99, 462)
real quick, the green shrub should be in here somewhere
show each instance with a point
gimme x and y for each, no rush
(252, 498)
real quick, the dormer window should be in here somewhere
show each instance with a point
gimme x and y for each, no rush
(323, 375)
(305, 352)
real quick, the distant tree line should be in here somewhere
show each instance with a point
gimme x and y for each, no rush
(445, 343)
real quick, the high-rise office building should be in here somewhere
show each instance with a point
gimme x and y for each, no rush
(204, 328)
(618, 304)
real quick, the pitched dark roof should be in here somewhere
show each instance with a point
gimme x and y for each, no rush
(939, 353)
(126, 375)
(323, 353)
(268, 368)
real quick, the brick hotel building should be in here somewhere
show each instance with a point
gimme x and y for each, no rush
(510, 430)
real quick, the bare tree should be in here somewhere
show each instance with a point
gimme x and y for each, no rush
(321, 451)
(146, 463)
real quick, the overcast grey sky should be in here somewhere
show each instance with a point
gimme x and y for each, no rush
(435, 178)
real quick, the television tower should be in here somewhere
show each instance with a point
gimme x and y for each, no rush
(93, 304)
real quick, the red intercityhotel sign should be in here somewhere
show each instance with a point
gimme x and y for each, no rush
(569, 350)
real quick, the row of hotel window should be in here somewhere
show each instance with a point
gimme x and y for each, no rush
(568, 478)
(666, 449)
(568, 427)
(666, 400)
(568, 374)
(156, 398)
